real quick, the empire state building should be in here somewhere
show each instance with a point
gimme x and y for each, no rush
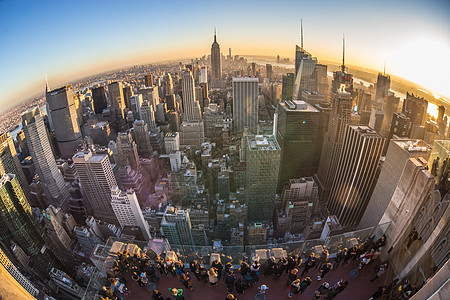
(216, 64)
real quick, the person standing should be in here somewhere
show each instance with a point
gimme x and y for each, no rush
(325, 269)
(294, 288)
(305, 282)
(213, 277)
(219, 266)
(230, 279)
(310, 263)
(292, 277)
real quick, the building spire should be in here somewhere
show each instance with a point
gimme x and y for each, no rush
(343, 52)
(301, 34)
(215, 41)
(47, 89)
(384, 69)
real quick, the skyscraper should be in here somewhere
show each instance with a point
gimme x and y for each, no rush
(305, 77)
(400, 151)
(269, 71)
(176, 226)
(127, 151)
(216, 64)
(191, 107)
(245, 104)
(135, 106)
(9, 162)
(148, 115)
(97, 179)
(287, 89)
(63, 113)
(18, 223)
(204, 75)
(297, 132)
(262, 155)
(342, 76)
(415, 108)
(127, 94)
(148, 80)
(116, 100)
(127, 210)
(340, 117)
(383, 86)
(55, 190)
(99, 99)
(223, 183)
(141, 135)
(356, 175)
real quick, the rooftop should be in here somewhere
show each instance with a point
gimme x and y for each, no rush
(298, 106)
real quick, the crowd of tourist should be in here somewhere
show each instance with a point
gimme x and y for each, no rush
(146, 272)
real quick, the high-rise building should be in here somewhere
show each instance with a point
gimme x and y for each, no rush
(305, 77)
(99, 99)
(18, 223)
(216, 64)
(383, 86)
(176, 226)
(116, 100)
(390, 107)
(287, 89)
(127, 94)
(223, 183)
(269, 72)
(55, 190)
(142, 138)
(400, 126)
(62, 111)
(297, 132)
(9, 162)
(148, 80)
(18, 277)
(172, 142)
(192, 133)
(204, 75)
(127, 151)
(127, 210)
(54, 220)
(97, 179)
(135, 106)
(191, 107)
(245, 104)
(356, 175)
(168, 84)
(415, 108)
(322, 80)
(148, 115)
(340, 117)
(417, 227)
(300, 197)
(262, 155)
(399, 152)
(342, 77)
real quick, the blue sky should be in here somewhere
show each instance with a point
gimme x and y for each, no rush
(70, 39)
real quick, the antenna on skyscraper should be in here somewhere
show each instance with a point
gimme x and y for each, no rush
(214, 34)
(47, 89)
(343, 52)
(301, 34)
(384, 70)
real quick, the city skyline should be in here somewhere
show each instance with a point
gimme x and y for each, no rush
(81, 44)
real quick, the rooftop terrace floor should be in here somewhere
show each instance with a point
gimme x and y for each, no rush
(359, 288)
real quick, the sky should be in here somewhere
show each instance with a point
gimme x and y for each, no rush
(69, 39)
